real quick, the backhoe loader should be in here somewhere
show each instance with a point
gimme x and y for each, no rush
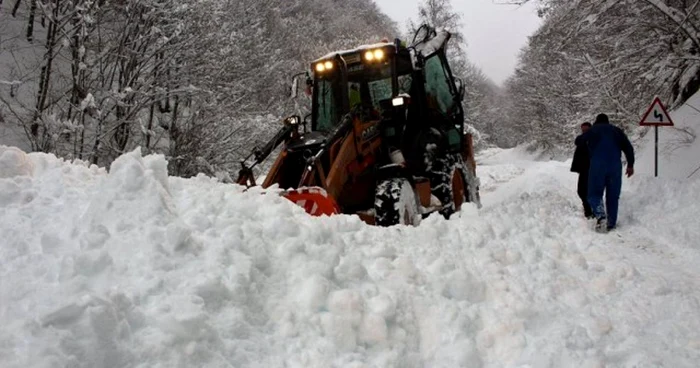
(384, 140)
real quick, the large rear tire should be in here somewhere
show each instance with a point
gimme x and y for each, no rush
(448, 182)
(395, 203)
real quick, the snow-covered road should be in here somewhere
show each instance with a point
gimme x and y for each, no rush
(137, 269)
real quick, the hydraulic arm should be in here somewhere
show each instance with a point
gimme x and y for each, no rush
(258, 155)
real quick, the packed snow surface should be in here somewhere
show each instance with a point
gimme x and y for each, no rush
(133, 268)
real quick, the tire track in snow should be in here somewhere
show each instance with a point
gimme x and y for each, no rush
(642, 266)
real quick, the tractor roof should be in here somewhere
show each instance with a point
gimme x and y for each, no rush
(426, 47)
(354, 51)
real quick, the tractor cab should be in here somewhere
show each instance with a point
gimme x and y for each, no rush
(367, 78)
(404, 87)
(385, 140)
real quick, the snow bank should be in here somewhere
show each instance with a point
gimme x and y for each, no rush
(133, 268)
(14, 162)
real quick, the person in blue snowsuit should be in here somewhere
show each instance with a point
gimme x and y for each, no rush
(606, 143)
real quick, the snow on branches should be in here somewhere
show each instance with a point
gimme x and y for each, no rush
(610, 56)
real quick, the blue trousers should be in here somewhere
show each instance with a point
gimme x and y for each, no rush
(608, 179)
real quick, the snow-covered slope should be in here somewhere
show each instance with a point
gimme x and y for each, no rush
(679, 148)
(133, 268)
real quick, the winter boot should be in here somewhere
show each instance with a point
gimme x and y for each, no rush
(601, 225)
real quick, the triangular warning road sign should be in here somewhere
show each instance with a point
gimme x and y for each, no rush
(657, 115)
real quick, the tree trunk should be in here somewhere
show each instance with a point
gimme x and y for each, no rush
(78, 92)
(15, 8)
(75, 53)
(177, 103)
(45, 78)
(150, 126)
(121, 133)
(30, 25)
(96, 146)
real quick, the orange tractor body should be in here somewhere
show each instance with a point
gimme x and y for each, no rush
(385, 138)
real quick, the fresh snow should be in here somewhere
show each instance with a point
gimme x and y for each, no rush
(133, 268)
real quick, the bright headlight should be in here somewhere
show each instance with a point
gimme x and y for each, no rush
(379, 54)
(320, 67)
(398, 101)
(374, 55)
(292, 120)
(328, 65)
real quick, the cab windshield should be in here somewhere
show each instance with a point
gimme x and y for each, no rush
(327, 106)
(367, 87)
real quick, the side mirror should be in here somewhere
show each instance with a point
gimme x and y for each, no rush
(460, 88)
(295, 86)
(309, 86)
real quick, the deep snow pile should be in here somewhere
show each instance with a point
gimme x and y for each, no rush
(133, 268)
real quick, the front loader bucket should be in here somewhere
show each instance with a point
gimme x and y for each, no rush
(314, 200)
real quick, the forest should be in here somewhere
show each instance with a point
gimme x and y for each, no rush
(612, 56)
(203, 81)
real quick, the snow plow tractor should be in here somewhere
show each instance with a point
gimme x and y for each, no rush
(384, 140)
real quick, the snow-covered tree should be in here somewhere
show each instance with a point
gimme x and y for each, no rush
(199, 81)
(593, 56)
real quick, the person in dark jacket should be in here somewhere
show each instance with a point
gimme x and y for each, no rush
(580, 165)
(606, 143)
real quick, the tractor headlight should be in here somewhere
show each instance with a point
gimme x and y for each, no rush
(324, 66)
(379, 54)
(292, 120)
(375, 55)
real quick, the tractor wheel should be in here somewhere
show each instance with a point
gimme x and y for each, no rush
(449, 184)
(395, 203)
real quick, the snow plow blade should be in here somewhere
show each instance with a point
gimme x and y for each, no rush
(314, 200)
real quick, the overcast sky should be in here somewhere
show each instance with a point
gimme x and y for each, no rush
(495, 33)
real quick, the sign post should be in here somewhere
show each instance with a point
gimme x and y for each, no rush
(656, 150)
(656, 116)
